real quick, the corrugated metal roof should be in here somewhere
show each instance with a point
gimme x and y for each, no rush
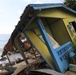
(38, 7)
(44, 6)
(49, 6)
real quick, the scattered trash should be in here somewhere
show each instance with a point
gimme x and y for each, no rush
(72, 58)
(10, 69)
(72, 67)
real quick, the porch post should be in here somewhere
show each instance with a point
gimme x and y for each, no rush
(44, 34)
(48, 43)
(19, 48)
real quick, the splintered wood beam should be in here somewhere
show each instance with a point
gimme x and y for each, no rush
(9, 60)
(17, 40)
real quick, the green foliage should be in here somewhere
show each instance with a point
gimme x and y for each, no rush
(71, 4)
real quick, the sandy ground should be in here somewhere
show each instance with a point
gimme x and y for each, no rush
(15, 56)
(12, 57)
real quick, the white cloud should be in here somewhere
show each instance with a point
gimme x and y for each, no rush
(6, 30)
(55, 1)
(48, 1)
(20, 12)
(0, 11)
(37, 2)
(28, 1)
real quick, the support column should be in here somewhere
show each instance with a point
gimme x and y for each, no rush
(48, 43)
(19, 48)
(44, 34)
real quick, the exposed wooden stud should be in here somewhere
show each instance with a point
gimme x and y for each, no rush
(19, 48)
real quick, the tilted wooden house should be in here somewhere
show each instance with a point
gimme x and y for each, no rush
(50, 28)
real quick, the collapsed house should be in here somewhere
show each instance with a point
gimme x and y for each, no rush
(50, 28)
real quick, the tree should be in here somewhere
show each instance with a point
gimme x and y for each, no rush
(70, 3)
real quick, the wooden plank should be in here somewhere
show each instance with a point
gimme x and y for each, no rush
(21, 66)
(3, 72)
(16, 40)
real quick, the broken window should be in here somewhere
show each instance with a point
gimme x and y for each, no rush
(73, 26)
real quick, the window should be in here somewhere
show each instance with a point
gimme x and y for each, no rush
(73, 25)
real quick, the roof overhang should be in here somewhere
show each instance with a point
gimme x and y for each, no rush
(32, 10)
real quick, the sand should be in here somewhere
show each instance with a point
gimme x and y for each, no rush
(13, 57)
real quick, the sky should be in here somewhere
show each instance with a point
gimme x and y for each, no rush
(11, 10)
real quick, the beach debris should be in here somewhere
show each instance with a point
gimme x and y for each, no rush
(2, 58)
(30, 56)
(72, 65)
(1, 67)
(10, 69)
(4, 53)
